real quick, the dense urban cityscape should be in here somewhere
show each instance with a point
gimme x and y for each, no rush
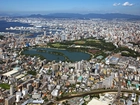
(110, 75)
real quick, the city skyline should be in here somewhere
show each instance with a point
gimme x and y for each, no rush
(71, 6)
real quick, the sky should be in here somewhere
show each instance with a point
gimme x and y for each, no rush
(70, 6)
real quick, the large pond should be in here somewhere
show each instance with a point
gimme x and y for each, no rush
(58, 55)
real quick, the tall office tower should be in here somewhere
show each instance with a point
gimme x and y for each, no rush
(11, 89)
(37, 84)
(44, 33)
(18, 96)
(29, 87)
(24, 91)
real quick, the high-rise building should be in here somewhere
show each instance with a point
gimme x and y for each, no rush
(18, 96)
(25, 92)
(10, 100)
(11, 89)
(29, 87)
(44, 33)
(37, 84)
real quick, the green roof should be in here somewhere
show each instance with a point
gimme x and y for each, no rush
(137, 86)
(99, 57)
(129, 83)
(80, 78)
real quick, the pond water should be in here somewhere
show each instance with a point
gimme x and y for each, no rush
(45, 52)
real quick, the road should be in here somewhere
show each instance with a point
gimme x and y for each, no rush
(96, 92)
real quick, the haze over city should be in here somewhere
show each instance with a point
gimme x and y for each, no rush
(70, 6)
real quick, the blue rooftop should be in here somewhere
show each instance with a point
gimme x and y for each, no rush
(80, 78)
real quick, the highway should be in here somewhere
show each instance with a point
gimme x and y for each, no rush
(96, 92)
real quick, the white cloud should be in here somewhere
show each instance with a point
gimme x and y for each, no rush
(127, 4)
(116, 4)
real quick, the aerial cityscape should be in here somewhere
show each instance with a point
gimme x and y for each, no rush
(70, 52)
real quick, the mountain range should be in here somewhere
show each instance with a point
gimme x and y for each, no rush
(87, 16)
(83, 16)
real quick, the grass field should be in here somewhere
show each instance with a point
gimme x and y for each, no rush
(58, 45)
(95, 44)
(79, 42)
(5, 86)
(94, 40)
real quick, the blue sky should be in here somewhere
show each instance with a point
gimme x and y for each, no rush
(70, 6)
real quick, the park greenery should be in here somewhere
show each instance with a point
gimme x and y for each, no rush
(1, 37)
(94, 47)
(5, 86)
(31, 72)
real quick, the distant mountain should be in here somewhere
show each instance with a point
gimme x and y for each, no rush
(81, 16)
(57, 15)
(112, 16)
(66, 15)
(84, 16)
(37, 15)
(11, 14)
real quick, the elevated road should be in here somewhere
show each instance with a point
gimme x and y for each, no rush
(96, 92)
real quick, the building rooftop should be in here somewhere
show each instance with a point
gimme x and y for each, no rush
(96, 102)
(10, 73)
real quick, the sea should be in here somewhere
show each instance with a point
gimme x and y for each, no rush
(5, 24)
